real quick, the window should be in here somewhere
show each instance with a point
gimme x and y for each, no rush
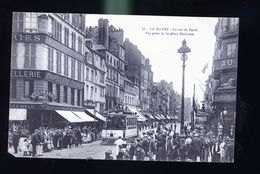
(66, 16)
(13, 88)
(78, 97)
(102, 92)
(30, 55)
(58, 62)
(28, 88)
(79, 71)
(96, 73)
(95, 89)
(92, 75)
(50, 59)
(30, 22)
(18, 22)
(66, 65)
(73, 41)
(50, 90)
(231, 49)
(111, 60)
(66, 36)
(114, 62)
(101, 108)
(107, 73)
(65, 96)
(87, 92)
(87, 73)
(58, 93)
(73, 68)
(233, 23)
(58, 31)
(102, 77)
(72, 96)
(80, 45)
(107, 58)
(14, 55)
(91, 92)
(107, 89)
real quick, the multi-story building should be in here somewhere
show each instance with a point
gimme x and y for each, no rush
(108, 41)
(47, 65)
(139, 70)
(225, 72)
(94, 93)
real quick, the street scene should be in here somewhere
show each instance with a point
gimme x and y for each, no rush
(86, 86)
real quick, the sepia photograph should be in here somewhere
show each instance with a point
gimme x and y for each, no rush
(123, 87)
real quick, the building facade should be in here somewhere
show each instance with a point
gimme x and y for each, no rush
(138, 69)
(225, 73)
(47, 64)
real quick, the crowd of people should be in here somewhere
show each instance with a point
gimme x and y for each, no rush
(46, 139)
(163, 144)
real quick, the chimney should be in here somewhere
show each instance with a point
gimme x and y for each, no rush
(103, 29)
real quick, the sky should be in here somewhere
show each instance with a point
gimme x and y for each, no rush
(161, 46)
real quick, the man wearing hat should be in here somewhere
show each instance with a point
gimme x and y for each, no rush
(139, 152)
(196, 146)
(15, 140)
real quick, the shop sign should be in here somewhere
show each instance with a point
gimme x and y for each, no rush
(31, 74)
(45, 39)
(42, 93)
(25, 37)
(226, 97)
(225, 63)
(63, 80)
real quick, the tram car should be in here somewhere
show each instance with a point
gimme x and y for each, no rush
(122, 125)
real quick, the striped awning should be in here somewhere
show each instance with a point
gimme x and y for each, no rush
(17, 114)
(136, 112)
(84, 116)
(70, 116)
(96, 114)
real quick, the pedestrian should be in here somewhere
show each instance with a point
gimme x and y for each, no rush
(161, 148)
(122, 154)
(139, 154)
(152, 149)
(109, 155)
(196, 147)
(119, 142)
(35, 141)
(15, 141)
(222, 147)
(216, 151)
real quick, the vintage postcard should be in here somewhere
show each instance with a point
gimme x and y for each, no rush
(123, 87)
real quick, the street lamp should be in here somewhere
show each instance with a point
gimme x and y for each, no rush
(183, 50)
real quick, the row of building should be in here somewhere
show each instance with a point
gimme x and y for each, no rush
(57, 64)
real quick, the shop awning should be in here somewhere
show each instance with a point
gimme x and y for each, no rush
(158, 117)
(136, 112)
(162, 116)
(96, 114)
(84, 116)
(168, 117)
(17, 114)
(70, 116)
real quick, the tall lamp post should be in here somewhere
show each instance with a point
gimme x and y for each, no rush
(183, 50)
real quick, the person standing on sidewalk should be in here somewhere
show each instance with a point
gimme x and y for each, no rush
(34, 141)
(15, 141)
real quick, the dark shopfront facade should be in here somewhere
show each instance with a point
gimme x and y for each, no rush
(225, 110)
(41, 93)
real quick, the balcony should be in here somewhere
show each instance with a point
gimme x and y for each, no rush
(230, 31)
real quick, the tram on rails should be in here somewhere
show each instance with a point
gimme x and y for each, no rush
(122, 125)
